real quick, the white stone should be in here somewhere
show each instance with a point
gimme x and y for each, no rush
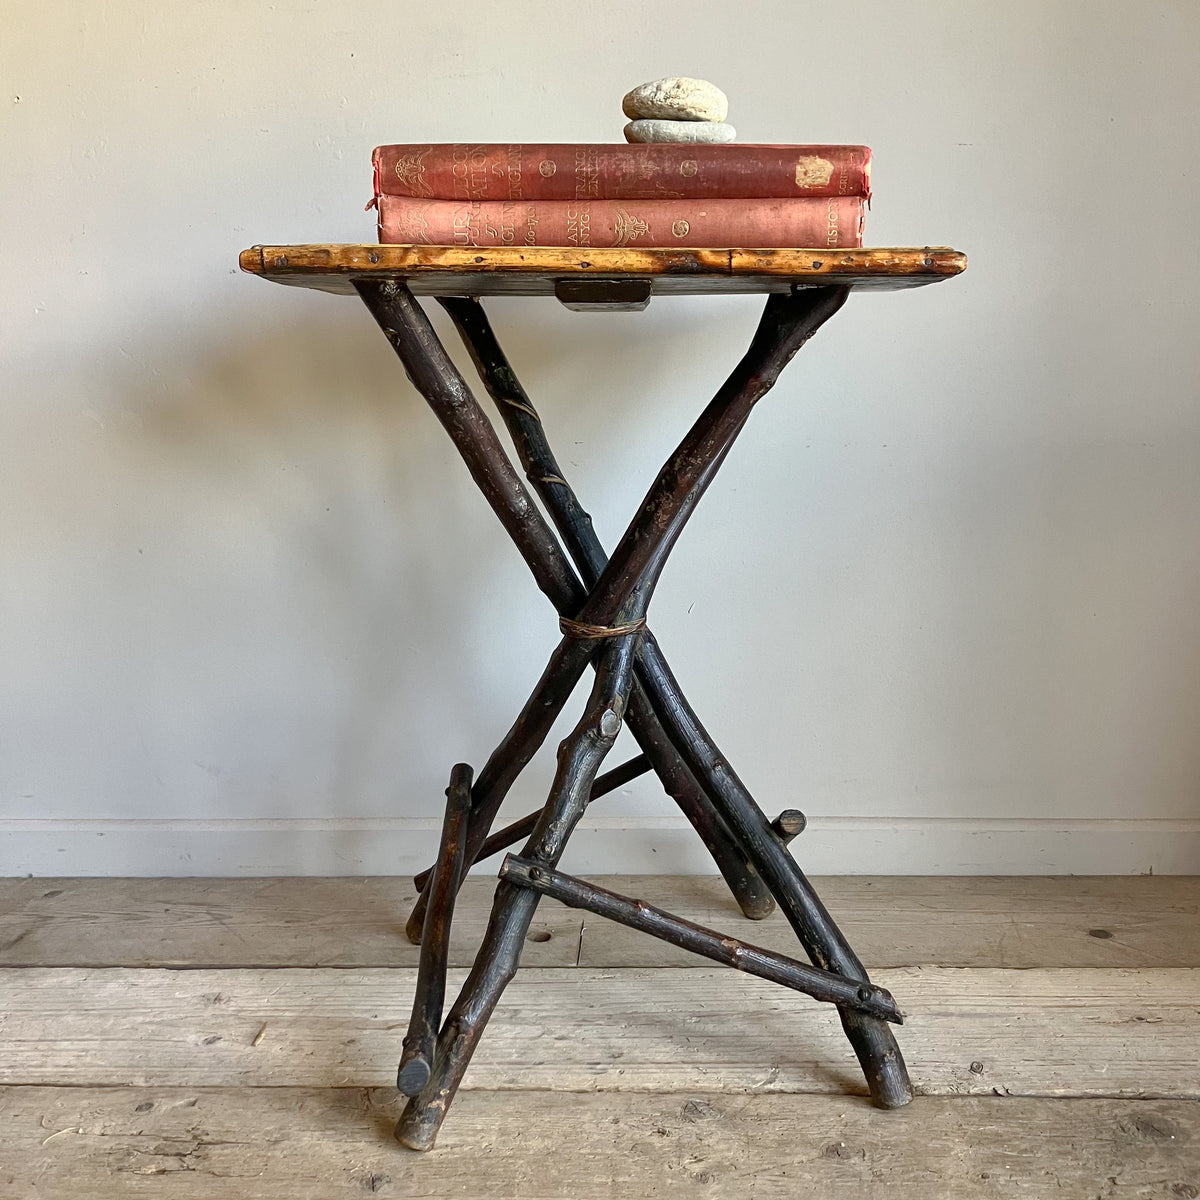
(679, 131)
(677, 99)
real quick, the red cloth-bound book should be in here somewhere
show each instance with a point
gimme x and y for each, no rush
(828, 222)
(466, 171)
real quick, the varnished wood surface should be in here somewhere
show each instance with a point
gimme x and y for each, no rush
(534, 271)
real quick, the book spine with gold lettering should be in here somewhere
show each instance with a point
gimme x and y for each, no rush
(615, 171)
(826, 222)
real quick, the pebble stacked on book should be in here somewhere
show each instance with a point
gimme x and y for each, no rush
(598, 194)
(678, 109)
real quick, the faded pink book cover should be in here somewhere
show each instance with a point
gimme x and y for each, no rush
(827, 223)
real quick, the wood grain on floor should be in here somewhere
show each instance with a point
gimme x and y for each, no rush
(236, 1038)
(955, 921)
(264, 1144)
(1031, 1033)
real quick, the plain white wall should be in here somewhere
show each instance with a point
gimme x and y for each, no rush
(945, 595)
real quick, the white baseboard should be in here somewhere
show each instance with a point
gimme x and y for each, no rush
(618, 845)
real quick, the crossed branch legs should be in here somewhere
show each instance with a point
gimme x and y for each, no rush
(622, 588)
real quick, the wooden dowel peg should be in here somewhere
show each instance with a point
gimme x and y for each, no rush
(789, 824)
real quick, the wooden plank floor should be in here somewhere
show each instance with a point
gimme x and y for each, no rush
(900, 921)
(1053, 1034)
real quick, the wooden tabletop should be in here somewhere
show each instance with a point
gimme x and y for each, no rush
(536, 270)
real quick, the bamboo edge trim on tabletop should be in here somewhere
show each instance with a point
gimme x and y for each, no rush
(372, 259)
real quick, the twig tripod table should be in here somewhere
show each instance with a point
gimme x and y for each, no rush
(602, 601)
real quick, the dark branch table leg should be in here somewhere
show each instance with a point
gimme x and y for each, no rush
(435, 376)
(788, 321)
(874, 1044)
(574, 525)
(417, 1057)
(579, 758)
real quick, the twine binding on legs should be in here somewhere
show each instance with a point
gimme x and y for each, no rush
(595, 633)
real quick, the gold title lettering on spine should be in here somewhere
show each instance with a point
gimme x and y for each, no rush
(468, 171)
(587, 174)
(579, 224)
(510, 171)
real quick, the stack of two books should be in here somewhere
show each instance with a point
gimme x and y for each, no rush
(596, 194)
